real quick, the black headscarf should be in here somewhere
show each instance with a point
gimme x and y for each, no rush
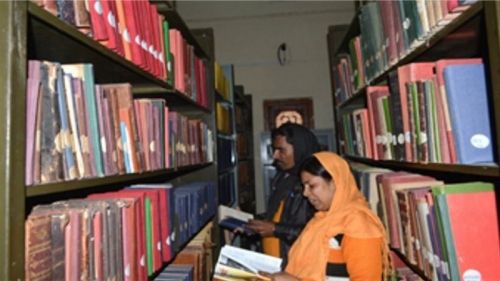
(304, 144)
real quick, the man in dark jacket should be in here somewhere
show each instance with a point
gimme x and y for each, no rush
(288, 210)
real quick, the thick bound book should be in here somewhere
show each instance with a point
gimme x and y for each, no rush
(468, 103)
(240, 264)
(468, 214)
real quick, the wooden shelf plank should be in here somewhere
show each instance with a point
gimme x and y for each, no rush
(52, 188)
(483, 171)
(174, 98)
(413, 267)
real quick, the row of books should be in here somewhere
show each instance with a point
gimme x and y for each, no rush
(124, 235)
(176, 272)
(198, 254)
(226, 157)
(430, 112)
(389, 31)
(135, 30)
(402, 271)
(440, 228)
(78, 129)
(224, 118)
(227, 188)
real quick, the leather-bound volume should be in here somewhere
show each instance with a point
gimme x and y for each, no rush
(50, 158)
(192, 257)
(58, 224)
(38, 256)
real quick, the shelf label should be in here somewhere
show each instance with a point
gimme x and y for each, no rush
(480, 141)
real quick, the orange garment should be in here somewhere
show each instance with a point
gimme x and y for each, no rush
(360, 256)
(348, 214)
(271, 245)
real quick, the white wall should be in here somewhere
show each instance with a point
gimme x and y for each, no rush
(247, 35)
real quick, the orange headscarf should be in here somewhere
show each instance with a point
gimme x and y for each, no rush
(348, 214)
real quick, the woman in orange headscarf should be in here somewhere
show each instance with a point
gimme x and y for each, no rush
(344, 238)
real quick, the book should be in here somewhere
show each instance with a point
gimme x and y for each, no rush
(233, 219)
(240, 264)
(462, 206)
(466, 91)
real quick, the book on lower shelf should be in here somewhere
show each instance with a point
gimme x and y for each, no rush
(239, 264)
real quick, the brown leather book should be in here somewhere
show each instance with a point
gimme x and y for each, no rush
(76, 237)
(83, 131)
(58, 225)
(38, 255)
(112, 99)
(192, 257)
(129, 208)
(51, 165)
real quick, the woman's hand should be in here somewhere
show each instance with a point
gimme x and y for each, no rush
(264, 228)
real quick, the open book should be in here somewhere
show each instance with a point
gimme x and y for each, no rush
(240, 264)
(233, 219)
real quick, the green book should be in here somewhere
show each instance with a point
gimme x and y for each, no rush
(391, 141)
(148, 215)
(168, 56)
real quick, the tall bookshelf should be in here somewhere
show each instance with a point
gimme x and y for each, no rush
(226, 135)
(244, 148)
(473, 33)
(32, 33)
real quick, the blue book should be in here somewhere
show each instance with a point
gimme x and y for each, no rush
(236, 224)
(468, 105)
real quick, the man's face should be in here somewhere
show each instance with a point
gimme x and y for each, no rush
(283, 153)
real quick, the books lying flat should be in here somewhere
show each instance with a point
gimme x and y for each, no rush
(240, 264)
(233, 219)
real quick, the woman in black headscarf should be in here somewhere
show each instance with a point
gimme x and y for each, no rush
(288, 211)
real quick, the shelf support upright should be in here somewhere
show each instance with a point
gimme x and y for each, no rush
(13, 38)
(492, 11)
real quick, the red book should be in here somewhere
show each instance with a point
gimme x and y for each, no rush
(155, 39)
(141, 8)
(97, 19)
(132, 28)
(121, 26)
(168, 164)
(473, 219)
(372, 94)
(140, 229)
(153, 196)
(164, 215)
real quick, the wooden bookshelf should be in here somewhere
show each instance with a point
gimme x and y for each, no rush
(450, 169)
(414, 268)
(176, 21)
(438, 37)
(74, 46)
(244, 128)
(29, 32)
(117, 180)
(473, 33)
